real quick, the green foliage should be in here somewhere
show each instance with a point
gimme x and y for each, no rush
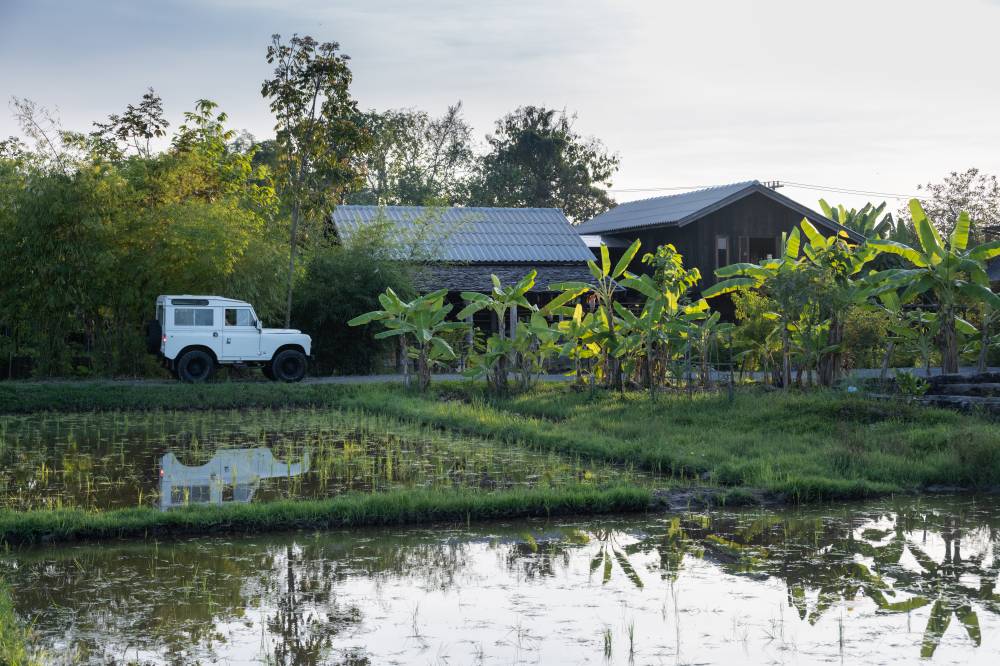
(107, 236)
(495, 361)
(14, 640)
(316, 134)
(910, 385)
(536, 159)
(865, 332)
(950, 271)
(339, 282)
(414, 159)
(424, 320)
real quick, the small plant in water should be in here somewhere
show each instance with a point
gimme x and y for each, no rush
(607, 642)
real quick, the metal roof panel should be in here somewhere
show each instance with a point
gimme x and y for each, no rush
(474, 234)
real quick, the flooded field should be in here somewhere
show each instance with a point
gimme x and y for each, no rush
(888, 582)
(104, 461)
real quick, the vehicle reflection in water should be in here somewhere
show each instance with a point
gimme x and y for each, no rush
(232, 475)
(888, 582)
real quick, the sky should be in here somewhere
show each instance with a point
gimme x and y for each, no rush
(873, 95)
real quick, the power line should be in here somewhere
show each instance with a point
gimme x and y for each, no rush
(849, 190)
(777, 184)
(658, 189)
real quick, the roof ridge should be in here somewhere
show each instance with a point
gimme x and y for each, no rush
(746, 183)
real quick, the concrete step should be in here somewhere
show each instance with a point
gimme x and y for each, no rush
(964, 402)
(983, 389)
(981, 378)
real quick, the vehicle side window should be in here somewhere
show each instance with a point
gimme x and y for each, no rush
(239, 317)
(194, 317)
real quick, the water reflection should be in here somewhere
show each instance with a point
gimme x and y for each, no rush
(232, 475)
(878, 583)
(113, 460)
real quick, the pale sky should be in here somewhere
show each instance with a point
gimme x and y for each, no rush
(873, 95)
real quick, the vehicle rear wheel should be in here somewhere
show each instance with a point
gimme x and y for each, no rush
(195, 366)
(289, 365)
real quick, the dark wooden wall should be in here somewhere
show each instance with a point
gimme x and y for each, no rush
(754, 216)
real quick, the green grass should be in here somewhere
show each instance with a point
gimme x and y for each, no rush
(13, 637)
(349, 510)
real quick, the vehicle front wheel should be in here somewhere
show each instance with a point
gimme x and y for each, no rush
(195, 366)
(289, 365)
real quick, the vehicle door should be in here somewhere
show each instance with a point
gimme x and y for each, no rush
(194, 325)
(240, 335)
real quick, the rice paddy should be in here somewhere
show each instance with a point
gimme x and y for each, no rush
(112, 460)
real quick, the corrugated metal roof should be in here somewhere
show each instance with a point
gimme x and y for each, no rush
(475, 235)
(682, 209)
(659, 211)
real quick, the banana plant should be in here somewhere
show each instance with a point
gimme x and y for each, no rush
(868, 221)
(706, 336)
(663, 306)
(787, 287)
(837, 288)
(576, 333)
(951, 272)
(989, 316)
(605, 284)
(495, 362)
(424, 320)
(533, 343)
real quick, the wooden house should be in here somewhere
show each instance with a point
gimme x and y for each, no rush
(713, 227)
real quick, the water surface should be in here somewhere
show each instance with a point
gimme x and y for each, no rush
(114, 460)
(888, 582)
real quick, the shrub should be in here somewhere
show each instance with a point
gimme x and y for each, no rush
(341, 282)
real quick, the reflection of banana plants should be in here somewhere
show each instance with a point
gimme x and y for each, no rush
(611, 553)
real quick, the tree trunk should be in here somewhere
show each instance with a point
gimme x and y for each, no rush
(423, 369)
(500, 369)
(885, 361)
(984, 346)
(949, 343)
(650, 384)
(786, 360)
(829, 365)
(405, 352)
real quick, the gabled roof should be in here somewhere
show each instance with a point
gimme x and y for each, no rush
(475, 235)
(678, 210)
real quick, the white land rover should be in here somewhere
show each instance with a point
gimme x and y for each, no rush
(196, 334)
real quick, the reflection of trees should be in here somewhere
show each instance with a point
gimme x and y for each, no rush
(840, 558)
(307, 614)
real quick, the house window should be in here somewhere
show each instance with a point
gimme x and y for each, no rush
(721, 251)
(194, 317)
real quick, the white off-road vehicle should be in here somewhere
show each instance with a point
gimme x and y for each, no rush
(194, 335)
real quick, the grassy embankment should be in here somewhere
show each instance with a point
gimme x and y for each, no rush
(805, 446)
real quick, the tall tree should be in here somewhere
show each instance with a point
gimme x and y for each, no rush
(536, 158)
(414, 158)
(135, 128)
(317, 136)
(969, 191)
